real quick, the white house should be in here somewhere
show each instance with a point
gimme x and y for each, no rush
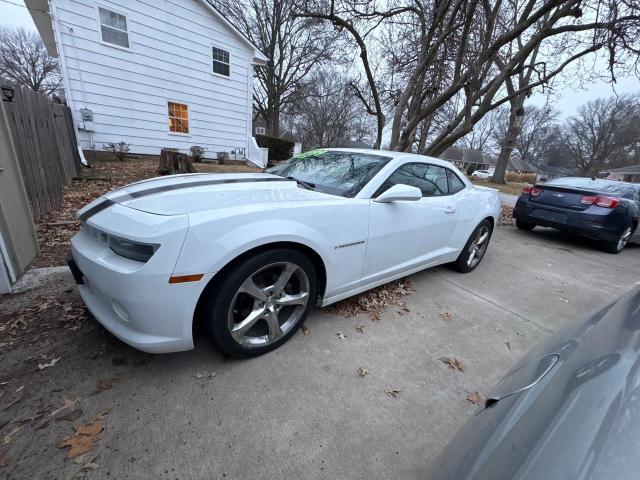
(153, 73)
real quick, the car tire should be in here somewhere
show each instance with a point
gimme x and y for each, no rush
(526, 226)
(247, 313)
(475, 242)
(617, 245)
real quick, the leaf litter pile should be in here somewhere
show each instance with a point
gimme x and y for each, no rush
(506, 216)
(374, 302)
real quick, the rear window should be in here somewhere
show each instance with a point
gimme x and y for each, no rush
(598, 184)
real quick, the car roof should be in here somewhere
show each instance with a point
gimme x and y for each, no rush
(395, 155)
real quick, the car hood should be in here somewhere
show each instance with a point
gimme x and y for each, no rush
(180, 194)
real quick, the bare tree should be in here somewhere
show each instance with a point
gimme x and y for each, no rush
(604, 133)
(24, 60)
(328, 114)
(539, 125)
(473, 56)
(484, 133)
(293, 46)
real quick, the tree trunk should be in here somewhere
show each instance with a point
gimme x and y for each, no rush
(273, 120)
(172, 161)
(516, 116)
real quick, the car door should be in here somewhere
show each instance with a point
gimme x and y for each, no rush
(405, 235)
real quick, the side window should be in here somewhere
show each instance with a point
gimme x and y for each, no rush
(430, 179)
(455, 184)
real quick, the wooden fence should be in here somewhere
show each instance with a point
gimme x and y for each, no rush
(46, 146)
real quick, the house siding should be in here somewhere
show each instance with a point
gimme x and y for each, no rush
(169, 59)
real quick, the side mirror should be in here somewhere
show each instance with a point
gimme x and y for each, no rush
(399, 192)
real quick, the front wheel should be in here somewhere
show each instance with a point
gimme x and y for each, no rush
(475, 248)
(617, 245)
(260, 303)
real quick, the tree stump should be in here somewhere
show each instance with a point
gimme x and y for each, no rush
(172, 161)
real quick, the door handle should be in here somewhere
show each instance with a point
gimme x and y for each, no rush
(450, 210)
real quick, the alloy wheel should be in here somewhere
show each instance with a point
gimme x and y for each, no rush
(268, 304)
(478, 246)
(624, 238)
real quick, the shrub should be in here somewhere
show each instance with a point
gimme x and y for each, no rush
(120, 150)
(222, 156)
(470, 170)
(521, 177)
(197, 153)
(279, 149)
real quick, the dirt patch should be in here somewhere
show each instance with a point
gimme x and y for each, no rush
(56, 228)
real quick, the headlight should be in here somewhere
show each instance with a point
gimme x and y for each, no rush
(138, 251)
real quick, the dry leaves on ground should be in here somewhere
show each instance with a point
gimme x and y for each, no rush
(360, 329)
(51, 363)
(453, 363)
(446, 316)
(392, 392)
(373, 302)
(475, 398)
(104, 385)
(341, 336)
(305, 331)
(9, 436)
(4, 458)
(205, 374)
(86, 436)
(363, 372)
(506, 216)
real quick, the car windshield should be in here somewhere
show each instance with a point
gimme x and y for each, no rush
(594, 184)
(334, 172)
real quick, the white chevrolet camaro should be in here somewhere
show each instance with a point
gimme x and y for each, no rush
(248, 255)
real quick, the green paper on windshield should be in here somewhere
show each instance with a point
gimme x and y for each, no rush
(311, 153)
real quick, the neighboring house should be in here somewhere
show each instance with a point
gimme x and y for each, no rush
(153, 73)
(465, 158)
(628, 174)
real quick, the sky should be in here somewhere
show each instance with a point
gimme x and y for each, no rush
(566, 100)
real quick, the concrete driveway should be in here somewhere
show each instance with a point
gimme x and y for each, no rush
(303, 411)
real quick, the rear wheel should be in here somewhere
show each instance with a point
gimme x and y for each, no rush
(617, 245)
(475, 248)
(261, 303)
(526, 226)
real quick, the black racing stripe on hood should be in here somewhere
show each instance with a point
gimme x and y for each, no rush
(167, 188)
(106, 203)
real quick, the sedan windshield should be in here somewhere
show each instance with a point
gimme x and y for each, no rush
(333, 172)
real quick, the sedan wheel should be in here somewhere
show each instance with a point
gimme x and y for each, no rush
(268, 304)
(616, 246)
(256, 304)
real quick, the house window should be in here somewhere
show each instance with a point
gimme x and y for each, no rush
(113, 27)
(260, 131)
(220, 62)
(178, 117)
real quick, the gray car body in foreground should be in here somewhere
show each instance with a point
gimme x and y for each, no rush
(579, 420)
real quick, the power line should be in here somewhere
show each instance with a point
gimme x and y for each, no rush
(24, 6)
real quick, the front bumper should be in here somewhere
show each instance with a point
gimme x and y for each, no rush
(595, 222)
(135, 300)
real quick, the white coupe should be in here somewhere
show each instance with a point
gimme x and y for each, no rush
(249, 255)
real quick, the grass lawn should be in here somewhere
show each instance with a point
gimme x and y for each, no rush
(512, 188)
(56, 228)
